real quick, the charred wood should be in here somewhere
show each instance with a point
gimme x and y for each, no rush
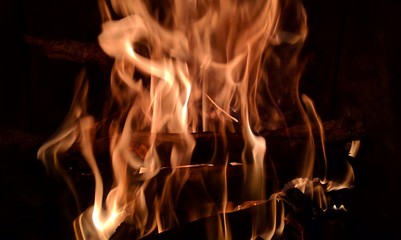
(70, 50)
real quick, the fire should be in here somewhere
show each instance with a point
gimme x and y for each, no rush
(183, 67)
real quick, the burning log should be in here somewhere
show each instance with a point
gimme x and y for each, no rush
(303, 219)
(71, 50)
(204, 228)
(335, 130)
(210, 147)
(21, 140)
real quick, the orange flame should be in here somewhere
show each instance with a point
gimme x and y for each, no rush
(213, 66)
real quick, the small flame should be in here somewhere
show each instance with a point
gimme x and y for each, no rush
(189, 66)
(354, 148)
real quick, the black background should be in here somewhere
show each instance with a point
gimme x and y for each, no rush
(354, 71)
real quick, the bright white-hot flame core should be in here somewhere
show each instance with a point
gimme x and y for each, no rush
(188, 66)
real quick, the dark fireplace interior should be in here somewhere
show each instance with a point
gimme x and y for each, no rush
(352, 72)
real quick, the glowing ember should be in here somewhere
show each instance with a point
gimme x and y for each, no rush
(189, 66)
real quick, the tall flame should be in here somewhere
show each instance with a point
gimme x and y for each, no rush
(182, 67)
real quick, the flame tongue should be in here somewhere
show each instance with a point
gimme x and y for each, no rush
(191, 66)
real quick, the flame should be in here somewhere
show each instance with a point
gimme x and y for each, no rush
(188, 66)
